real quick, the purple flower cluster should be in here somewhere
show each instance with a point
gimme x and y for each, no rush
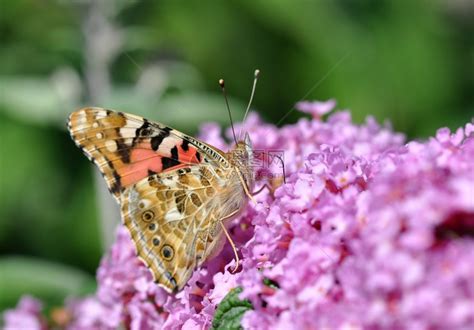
(26, 315)
(367, 232)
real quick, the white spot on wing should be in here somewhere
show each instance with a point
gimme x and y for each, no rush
(170, 182)
(111, 145)
(144, 203)
(173, 215)
(133, 124)
(127, 132)
(168, 143)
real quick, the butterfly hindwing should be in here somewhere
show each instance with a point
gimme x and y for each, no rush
(173, 219)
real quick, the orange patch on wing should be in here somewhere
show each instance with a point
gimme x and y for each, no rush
(189, 155)
(144, 160)
(141, 162)
(185, 157)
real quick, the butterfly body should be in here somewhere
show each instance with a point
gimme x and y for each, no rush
(175, 191)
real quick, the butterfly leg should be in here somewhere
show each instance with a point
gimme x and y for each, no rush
(271, 187)
(221, 221)
(246, 189)
(261, 189)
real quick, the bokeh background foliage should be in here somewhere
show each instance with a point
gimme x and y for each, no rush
(407, 61)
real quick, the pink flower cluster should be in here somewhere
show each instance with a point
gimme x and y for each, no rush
(367, 232)
(26, 315)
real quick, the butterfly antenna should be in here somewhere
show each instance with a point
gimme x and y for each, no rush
(282, 167)
(256, 74)
(222, 84)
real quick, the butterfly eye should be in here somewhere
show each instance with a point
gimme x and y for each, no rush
(148, 215)
(167, 252)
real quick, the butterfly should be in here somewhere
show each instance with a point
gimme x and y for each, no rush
(176, 193)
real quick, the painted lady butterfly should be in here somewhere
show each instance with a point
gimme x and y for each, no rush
(175, 192)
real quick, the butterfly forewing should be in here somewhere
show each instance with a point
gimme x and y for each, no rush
(127, 148)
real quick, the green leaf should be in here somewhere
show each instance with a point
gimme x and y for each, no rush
(271, 283)
(50, 282)
(230, 311)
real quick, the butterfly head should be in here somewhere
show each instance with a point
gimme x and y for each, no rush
(248, 144)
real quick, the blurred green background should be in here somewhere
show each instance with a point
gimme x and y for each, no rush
(407, 61)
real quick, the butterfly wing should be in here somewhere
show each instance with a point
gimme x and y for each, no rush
(159, 175)
(173, 218)
(128, 148)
